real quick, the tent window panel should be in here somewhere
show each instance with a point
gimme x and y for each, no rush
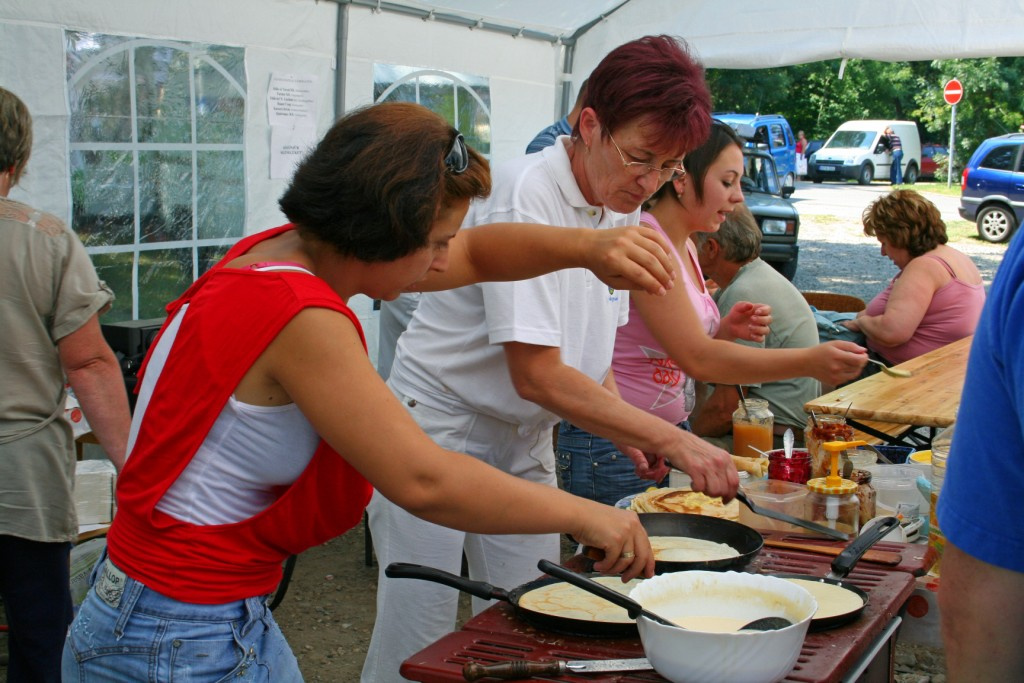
(209, 256)
(165, 196)
(163, 95)
(163, 275)
(220, 209)
(116, 270)
(101, 108)
(103, 197)
(463, 100)
(157, 132)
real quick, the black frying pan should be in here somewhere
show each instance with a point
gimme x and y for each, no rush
(744, 540)
(549, 622)
(841, 566)
(741, 538)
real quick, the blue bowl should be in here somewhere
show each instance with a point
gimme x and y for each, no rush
(897, 455)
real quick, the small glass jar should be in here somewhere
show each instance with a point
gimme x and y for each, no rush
(796, 468)
(866, 493)
(752, 425)
(836, 507)
(822, 428)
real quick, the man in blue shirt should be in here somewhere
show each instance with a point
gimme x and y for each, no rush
(563, 126)
(981, 593)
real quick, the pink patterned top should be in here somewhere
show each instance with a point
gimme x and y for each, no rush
(952, 315)
(647, 378)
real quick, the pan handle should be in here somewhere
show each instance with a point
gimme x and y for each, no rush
(480, 589)
(844, 562)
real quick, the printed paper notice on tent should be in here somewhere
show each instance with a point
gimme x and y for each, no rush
(291, 100)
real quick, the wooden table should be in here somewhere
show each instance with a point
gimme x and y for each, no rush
(928, 399)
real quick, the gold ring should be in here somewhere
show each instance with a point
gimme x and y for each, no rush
(628, 555)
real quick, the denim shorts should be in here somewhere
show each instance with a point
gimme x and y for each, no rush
(127, 632)
(592, 467)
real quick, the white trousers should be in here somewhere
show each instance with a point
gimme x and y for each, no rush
(412, 614)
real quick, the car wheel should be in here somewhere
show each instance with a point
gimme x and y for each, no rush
(867, 172)
(910, 177)
(816, 181)
(996, 224)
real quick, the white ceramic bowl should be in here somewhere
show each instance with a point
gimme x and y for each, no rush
(695, 656)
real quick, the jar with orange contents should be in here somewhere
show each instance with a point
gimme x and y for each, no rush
(752, 425)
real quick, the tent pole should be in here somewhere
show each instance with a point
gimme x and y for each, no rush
(340, 61)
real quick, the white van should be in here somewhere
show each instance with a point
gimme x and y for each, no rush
(855, 151)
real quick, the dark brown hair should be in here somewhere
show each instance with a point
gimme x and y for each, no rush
(653, 80)
(698, 161)
(907, 221)
(373, 187)
(15, 134)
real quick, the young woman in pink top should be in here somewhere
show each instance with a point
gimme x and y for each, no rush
(937, 296)
(671, 341)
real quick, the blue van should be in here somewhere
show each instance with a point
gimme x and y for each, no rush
(773, 134)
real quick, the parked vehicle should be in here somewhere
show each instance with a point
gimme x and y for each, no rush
(992, 187)
(772, 133)
(855, 151)
(929, 150)
(776, 216)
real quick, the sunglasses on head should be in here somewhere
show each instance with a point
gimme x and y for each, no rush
(457, 159)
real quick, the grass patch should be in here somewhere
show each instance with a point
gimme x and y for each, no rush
(936, 187)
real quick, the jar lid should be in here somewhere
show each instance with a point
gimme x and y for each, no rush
(844, 487)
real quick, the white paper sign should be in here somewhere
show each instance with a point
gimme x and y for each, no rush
(291, 100)
(288, 146)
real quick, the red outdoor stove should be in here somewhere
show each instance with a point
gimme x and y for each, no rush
(860, 651)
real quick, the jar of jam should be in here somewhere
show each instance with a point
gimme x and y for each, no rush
(822, 428)
(752, 425)
(796, 468)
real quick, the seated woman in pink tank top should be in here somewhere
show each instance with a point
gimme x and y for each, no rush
(937, 296)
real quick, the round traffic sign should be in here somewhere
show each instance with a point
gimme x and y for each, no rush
(953, 91)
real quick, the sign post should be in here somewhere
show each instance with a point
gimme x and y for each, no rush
(952, 92)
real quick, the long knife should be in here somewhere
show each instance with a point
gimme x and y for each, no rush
(783, 517)
(521, 668)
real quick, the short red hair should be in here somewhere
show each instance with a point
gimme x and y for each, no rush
(653, 79)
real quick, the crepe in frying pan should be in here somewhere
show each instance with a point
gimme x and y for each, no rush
(564, 600)
(684, 500)
(685, 549)
(833, 600)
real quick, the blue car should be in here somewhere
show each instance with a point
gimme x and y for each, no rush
(992, 187)
(770, 133)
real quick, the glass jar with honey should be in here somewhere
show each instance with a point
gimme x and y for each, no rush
(822, 428)
(832, 500)
(752, 425)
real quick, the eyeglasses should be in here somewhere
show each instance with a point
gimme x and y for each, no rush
(642, 168)
(457, 159)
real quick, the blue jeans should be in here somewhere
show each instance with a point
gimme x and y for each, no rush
(127, 632)
(896, 170)
(591, 467)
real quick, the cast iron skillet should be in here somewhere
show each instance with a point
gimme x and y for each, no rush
(548, 622)
(744, 540)
(841, 566)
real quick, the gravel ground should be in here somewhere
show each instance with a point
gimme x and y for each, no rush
(836, 256)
